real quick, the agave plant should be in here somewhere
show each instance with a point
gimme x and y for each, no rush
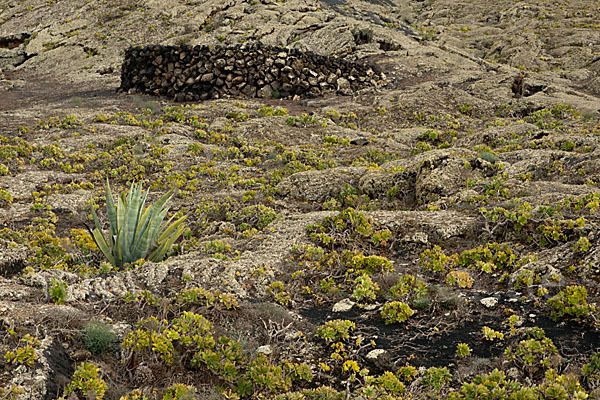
(136, 232)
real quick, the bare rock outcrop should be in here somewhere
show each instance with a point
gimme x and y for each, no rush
(318, 186)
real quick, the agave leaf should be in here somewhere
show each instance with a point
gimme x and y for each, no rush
(154, 256)
(118, 254)
(172, 228)
(162, 250)
(156, 223)
(101, 240)
(163, 227)
(126, 210)
(172, 239)
(156, 218)
(121, 209)
(142, 237)
(163, 200)
(123, 240)
(142, 214)
(102, 245)
(134, 211)
(95, 217)
(167, 229)
(145, 244)
(112, 214)
(131, 189)
(158, 214)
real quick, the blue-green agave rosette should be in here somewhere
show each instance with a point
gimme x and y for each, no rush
(136, 232)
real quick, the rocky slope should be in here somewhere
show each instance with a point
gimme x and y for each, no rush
(464, 187)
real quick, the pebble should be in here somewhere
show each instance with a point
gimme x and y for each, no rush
(265, 349)
(343, 305)
(375, 354)
(489, 302)
(513, 373)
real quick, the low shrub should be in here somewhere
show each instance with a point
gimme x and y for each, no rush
(87, 382)
(335, 330)
(396, 311)
(98, 337)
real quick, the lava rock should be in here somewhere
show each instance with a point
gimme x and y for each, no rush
(202, 72)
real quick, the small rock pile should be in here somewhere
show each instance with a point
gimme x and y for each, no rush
(188, 73)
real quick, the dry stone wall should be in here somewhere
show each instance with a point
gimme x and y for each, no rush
(188, 73)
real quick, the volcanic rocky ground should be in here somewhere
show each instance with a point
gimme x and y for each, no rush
(464, 185)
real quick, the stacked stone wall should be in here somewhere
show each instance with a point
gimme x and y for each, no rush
(188, 73)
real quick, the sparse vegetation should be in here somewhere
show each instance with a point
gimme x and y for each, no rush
(433, 238)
